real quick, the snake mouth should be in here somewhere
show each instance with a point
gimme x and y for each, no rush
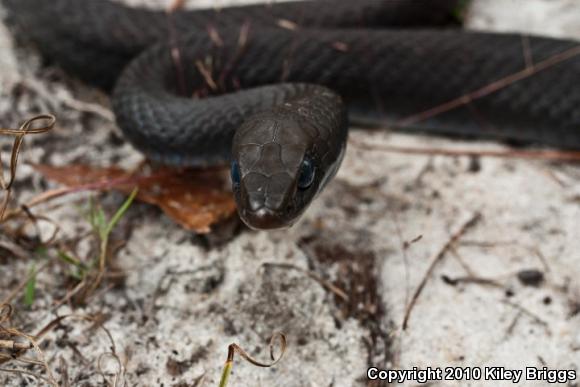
(265, 202)
(264, 219)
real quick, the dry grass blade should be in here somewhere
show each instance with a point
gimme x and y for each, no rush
(206, 74)
(438, 257)
(28, 127)
(6, 311)
(19, 348)
(118, 374)
(58, 100)
(104, 231)
(491, 88)
(533, 316)
(26, 372)
(547, 155)
(324, 283)
(21, 285)
(25, 360)
(235, 348)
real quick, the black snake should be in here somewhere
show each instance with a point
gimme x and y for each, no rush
(268, 88)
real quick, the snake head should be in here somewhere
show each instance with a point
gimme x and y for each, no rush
(274, 174)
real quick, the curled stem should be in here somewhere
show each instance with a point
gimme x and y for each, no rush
(235, 348)
(26, 128)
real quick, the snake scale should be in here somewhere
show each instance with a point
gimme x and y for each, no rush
(271, 89)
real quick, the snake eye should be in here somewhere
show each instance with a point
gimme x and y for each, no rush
(307, 172)
(235, 173)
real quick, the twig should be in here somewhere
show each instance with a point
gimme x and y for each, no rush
(13, 248)
(325, 284)
(538, 253)
(287, 24)
(22, 359)
(471, 280)
(404, 248)
(25, 372)
(118, 374)
(527, 52)
(455, 254)
(64, 373)
(33, 344)
(206, 74)
(14, 292)
(491, 88)
(550, 155)
(512, 325)
(436, 259)
(14, 346)
(68, 101)
(174, 44)
(529, 314)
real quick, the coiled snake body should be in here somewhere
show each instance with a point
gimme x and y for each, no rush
(265, 87)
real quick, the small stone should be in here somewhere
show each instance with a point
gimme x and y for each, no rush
(531, 277)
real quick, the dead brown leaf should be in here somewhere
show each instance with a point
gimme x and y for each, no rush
(195, 199)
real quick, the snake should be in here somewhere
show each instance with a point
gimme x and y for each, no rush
(272, 89)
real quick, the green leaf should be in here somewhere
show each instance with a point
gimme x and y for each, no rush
(79, 269)
(42, 251)
(226, 372)
(121, 211)
(69, 259)
(30, 290)
(79, 274)
(97, 217)
(101, 221)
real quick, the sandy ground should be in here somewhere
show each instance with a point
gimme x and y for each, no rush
(373, 234)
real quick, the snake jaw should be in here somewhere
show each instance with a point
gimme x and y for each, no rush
(263, 219)
(266, 202)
